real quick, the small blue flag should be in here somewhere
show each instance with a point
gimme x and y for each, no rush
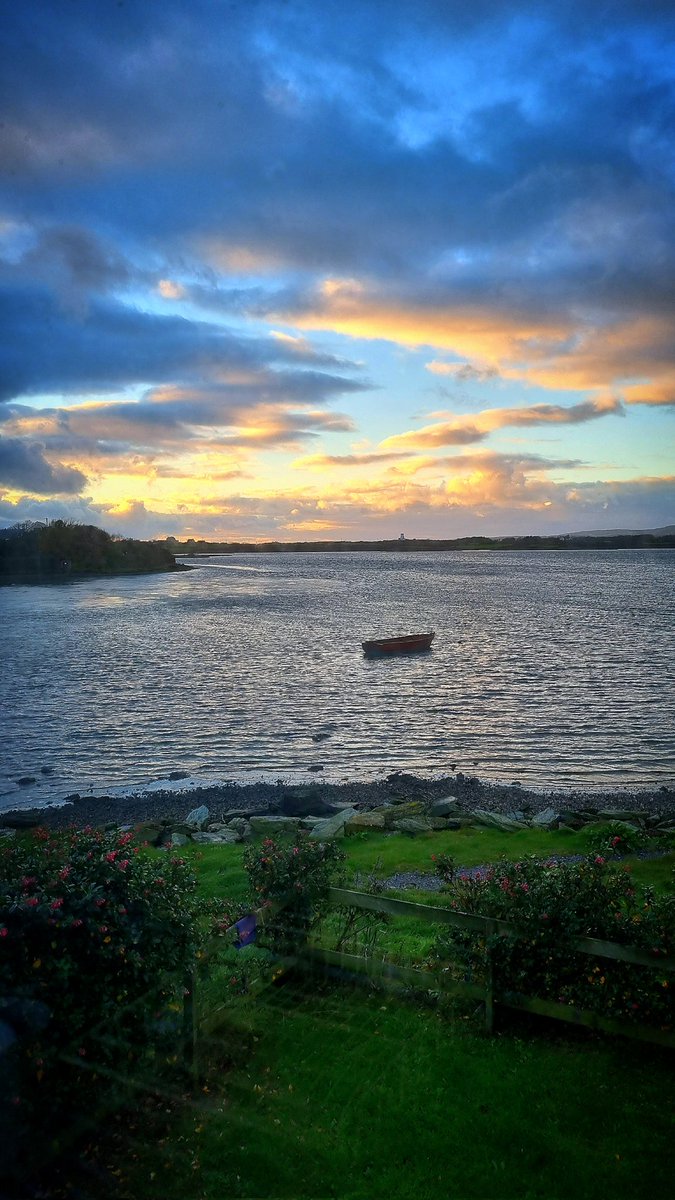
(246, 929)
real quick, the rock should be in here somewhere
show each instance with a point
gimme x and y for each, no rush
(225, 837)
(620, 814)
(198, 817)
(306, 802)
(444, 808)
(332, 827)
(20, 821)
(310, 822)
(179, 839)
(315, 767)
(150, 831)
(231, 813)
(25, 780)
(320, 736)
(441, 823)
(410, 825)
(481, 816)
(72, 798)
(268, 826)
(546, 819)
(177, 775)
(239, 824)
(46, 770)
(365, 820)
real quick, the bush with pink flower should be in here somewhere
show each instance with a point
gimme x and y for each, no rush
(297, 877)
(550, 904)
(94, 933)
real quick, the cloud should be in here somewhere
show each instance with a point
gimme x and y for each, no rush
(462, 372)
(23, 465)
(462, 430)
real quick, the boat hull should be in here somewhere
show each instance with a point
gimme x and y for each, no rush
(413, 643)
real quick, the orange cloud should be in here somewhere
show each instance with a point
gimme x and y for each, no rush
(460, 430)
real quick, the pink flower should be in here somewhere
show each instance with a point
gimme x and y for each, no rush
(124, 864)
(524, 887)
(111, 855)
(64, 872)
(101, 903)
(31, 901)
(56, 903)
(27, 880)
(75, 924)
(599, 860)
(4, 931)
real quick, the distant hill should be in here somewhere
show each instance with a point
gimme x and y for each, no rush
(663, 531)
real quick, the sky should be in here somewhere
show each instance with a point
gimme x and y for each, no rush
(276, 270)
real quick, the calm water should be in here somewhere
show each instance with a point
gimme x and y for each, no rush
(550, 668)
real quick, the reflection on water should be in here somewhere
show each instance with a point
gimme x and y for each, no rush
(550, 668)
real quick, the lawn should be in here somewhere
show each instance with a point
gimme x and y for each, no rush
(332, 1092)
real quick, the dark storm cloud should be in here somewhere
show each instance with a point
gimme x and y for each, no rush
(24, 466)
(516, 156)
(47, 349)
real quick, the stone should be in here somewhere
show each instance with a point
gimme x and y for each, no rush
(310, 822)
(332, 827)
(445, 807)
(271, 825)
(231, 813)
(25, 780)
(177, 775)
(315, 767)
(620, 814)
(546, 819)
(179, 839)
(306, 802)
(480, 816)
(46, 770)
(365, 820)
(225, 837)
(198, 817)
(411, 825)
(239, 824)
(149, 831)
(20, 821)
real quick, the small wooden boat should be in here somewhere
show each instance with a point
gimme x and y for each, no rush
(410, 643)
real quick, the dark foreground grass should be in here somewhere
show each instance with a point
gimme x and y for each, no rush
(341, 1093)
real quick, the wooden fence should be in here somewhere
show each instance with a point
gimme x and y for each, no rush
(488, 927)
(394, 975)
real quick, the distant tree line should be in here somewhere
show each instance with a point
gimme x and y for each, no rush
(628, 541)
(35, 551)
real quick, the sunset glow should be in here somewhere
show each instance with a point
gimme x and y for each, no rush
(274, 271)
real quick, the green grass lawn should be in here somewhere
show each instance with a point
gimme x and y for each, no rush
(313, 1089)
(220, 871)
(334, 1092)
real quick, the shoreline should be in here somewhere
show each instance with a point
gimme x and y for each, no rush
(266, 798)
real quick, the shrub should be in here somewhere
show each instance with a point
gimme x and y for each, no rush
(297, 877)
(551, 904)
(616, 839)
(90, 929)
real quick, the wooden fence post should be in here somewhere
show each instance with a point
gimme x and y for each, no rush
(489, 978)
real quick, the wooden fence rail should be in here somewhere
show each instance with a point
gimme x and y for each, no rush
(489, 927)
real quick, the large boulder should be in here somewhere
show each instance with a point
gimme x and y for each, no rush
(446, 807)
(198, 818)
(411, 825)
(305, 802)
(481, 816)
(332, 827)
(621, 814)
(224, 837)
(365, 820)
(268, 826)
(546, 819)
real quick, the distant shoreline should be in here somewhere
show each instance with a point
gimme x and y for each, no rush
(85, 576)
